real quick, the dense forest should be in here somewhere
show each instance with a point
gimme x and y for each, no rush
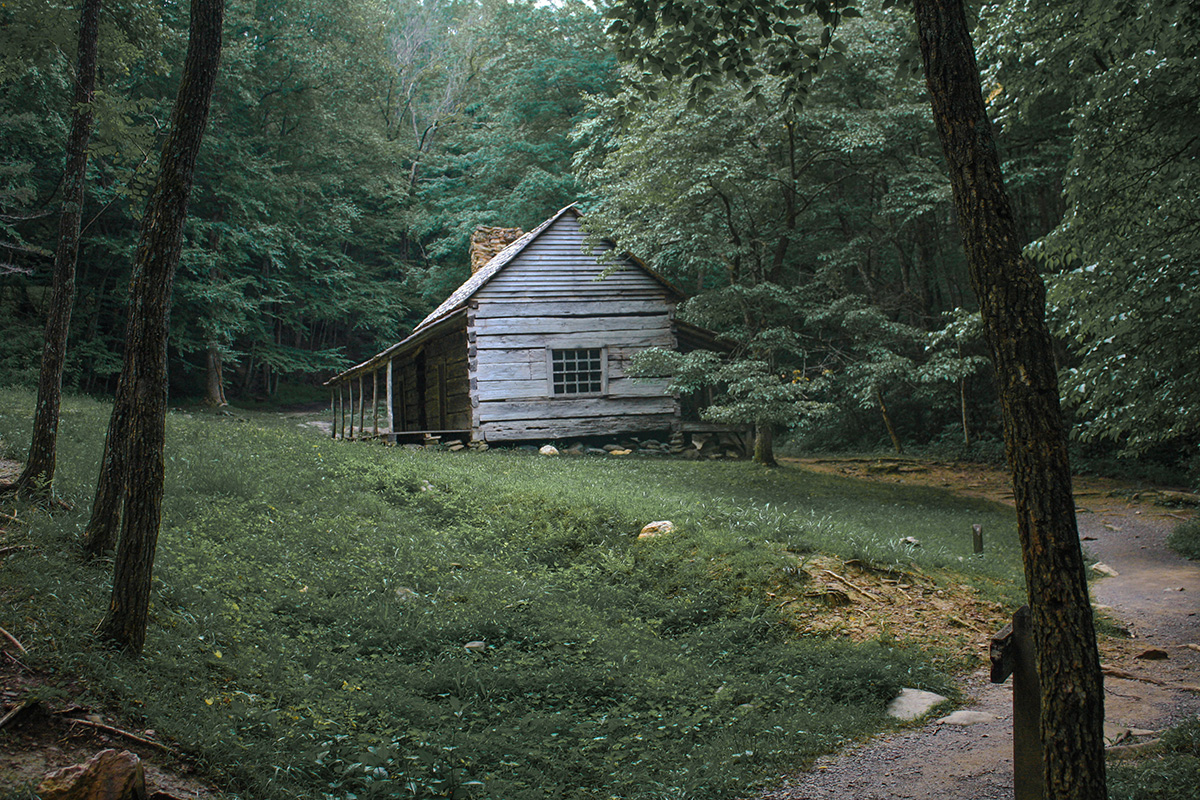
(806, 213)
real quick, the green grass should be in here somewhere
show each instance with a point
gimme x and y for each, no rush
(1185, 539)
(313, 599)
(1169, 775)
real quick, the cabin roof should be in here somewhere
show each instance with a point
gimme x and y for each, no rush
(451, 312)
(499, 261)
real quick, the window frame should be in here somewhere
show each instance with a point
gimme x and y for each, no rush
(575, 348)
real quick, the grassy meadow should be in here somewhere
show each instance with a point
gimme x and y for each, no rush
(315, 599)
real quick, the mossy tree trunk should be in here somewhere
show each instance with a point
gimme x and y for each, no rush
(764, 444)
(37, 477)
(1012, 300)
(137, 431)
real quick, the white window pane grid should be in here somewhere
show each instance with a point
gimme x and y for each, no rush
(577, 371)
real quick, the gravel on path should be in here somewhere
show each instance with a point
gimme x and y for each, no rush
(1155, 596)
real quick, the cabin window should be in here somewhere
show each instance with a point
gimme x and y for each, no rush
(577, 371)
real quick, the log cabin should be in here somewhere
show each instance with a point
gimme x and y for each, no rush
(535, 345)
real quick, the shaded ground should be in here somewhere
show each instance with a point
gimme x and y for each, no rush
(1155, 597)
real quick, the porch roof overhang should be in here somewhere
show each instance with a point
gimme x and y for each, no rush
(414, 340)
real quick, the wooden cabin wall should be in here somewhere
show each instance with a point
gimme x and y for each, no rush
(431, 388)
(547, 297)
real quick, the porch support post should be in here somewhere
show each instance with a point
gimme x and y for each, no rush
(362, 408)
(391, 423)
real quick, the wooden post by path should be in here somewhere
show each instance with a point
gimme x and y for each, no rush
(350, 404)
(333, 414)
(1012, 653)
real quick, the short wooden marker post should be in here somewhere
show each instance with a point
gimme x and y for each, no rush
(977, 538)
(1012, 653)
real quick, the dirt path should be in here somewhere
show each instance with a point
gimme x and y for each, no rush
(1156, 596)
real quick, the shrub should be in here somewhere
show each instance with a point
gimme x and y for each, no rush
(1185, 539)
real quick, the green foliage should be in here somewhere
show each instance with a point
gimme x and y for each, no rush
(1123, 285)
(314, 598)
(349, 156)
(814, 230)
(1169, 776)
(1185, 539)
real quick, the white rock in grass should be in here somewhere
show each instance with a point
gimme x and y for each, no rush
(475, 647)
(913, 703)
(660, 528)
(548, 450)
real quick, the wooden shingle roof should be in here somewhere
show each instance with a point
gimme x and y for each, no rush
(452, 306)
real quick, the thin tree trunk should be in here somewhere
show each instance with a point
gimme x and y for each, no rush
(764, 444)
(144, 371)
(962, 402)
(100, 533)
(214, 389)
(37, 477)
(1012, 301)
(887, 421)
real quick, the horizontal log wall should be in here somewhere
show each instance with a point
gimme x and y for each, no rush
(548, 298)
(431, 388)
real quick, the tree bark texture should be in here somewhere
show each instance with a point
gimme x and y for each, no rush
(1012, 300)
(887, 422)
(214, 388)
(142, 394)
(37, 477)
(764, 444)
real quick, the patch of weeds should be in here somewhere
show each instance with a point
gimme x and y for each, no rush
(1185, 539)
(1171, 775)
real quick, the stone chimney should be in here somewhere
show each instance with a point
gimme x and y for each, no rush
(487, 242)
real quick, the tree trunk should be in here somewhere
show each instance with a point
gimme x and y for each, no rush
(764, 444)
(214, 388)
(962, 404)
(1012, 300)
(142, 399)
(887, 421)
(37, 477)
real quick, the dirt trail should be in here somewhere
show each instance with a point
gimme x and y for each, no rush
(1155, 596)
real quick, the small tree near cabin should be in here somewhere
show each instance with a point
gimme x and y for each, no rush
(133, 461)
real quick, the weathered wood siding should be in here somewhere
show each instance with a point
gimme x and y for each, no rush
(430, 386)
(548, 298)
